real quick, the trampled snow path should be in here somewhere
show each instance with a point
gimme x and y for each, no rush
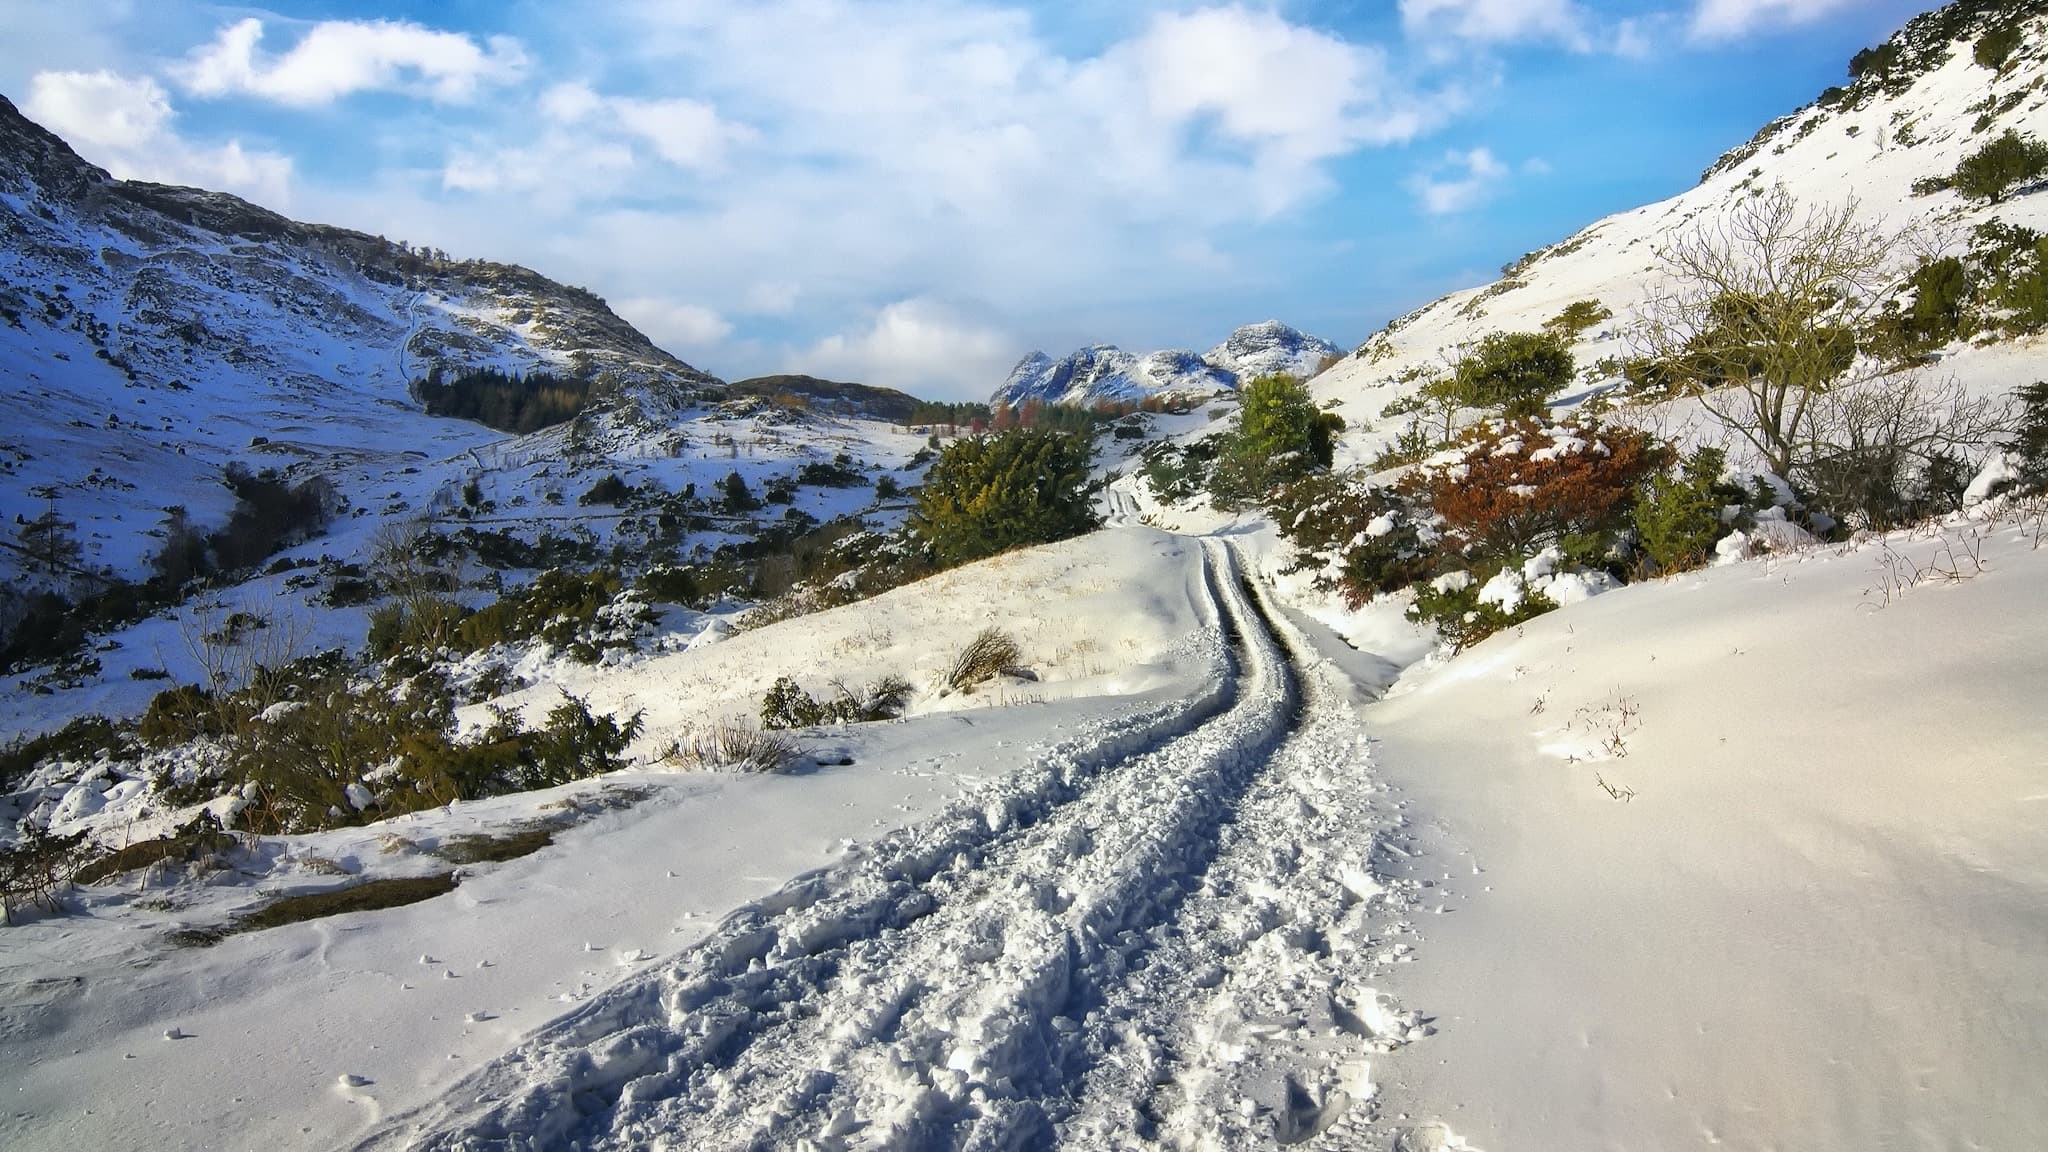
(1157, 935)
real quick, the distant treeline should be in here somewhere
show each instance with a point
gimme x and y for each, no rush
(516, 404)
(937, 412)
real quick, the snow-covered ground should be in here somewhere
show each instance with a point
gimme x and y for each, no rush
(1813, 910)
(647, 862)
(1745, 856)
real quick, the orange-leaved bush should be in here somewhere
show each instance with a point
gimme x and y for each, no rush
(1510, 488)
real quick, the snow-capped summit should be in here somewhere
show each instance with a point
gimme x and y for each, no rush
(1269, 348)
(1106, 373)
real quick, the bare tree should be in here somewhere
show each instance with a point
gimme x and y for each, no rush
(1759, 310)
(1887, 452)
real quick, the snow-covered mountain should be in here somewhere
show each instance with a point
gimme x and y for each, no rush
(1913, 107)
(1269, 348)
(152, 335)
(1106, 373)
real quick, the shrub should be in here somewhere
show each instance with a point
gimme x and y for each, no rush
(269, 514)
(575, 745)
(1678, 518)
(610, 490)
(1177, 472)
(1279, 436)
(1515, 372)
(558, 607)
(1993, 171)
(1997, 45)
(991, 653)
(989, 494)
(182, 557)
(738, 748)
(1364, 541)
(1452, 604)
(786, 705)
(36, 869)
(417, 624)
(1512, 488)
(734, 496)
(693, 585)
(841, 472)
(886, 488)
(84, 738)
(1886, 455)
(1576, 317)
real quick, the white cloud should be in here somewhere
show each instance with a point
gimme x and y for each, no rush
(1464, 181)
(686, 133)
(913, 344)
(1727, 19)
(124, 124)
(569, 103)
(675, 325)
(99, 107)
(339, 57)
(1498, 21)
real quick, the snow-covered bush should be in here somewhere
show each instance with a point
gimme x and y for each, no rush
(1361, 540)
(1459, 605)
(1511, 488)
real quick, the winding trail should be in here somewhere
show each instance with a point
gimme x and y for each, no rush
(1160, 935)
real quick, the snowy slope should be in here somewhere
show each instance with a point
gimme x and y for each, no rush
(1815, 914)
(1105, 373)
(1869, 142)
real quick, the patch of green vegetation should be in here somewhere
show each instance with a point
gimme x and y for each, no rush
(368, 896)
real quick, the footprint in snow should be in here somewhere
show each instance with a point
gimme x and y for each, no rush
(351, 1080)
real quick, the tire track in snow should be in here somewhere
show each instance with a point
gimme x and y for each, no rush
(1255, 1021)
(981, 981)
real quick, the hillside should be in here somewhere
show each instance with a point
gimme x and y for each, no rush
(1915, 107)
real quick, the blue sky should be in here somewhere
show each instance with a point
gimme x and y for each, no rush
(917, 193)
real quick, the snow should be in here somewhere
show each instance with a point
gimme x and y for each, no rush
(1749, 856)
(1814, 913)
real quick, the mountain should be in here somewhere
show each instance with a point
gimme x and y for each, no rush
(1271, 348)
(153, 336)
(836, 396)
(1105, 373)
(1889, 139)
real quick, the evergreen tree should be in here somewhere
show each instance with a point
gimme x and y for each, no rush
(51, 543)
(1993, 171)
(990, 494)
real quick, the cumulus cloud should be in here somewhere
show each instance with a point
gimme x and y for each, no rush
(124, 123)
(1462, 182)
(913, 344)
(1727, 19)
(675, 325)
(339, 57)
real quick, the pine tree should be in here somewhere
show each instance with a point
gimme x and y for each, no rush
(989, 494)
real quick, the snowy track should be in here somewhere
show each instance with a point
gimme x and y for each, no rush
(1157, 935)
